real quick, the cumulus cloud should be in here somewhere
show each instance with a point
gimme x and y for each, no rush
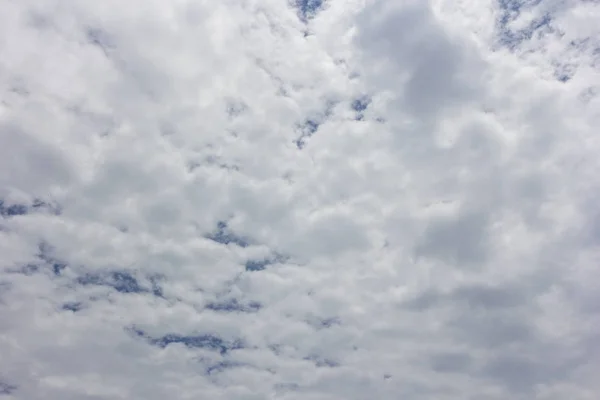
(299, 199)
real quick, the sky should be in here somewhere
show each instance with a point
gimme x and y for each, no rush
(299, 199)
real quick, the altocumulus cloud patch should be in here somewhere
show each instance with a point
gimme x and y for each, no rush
(299, 200)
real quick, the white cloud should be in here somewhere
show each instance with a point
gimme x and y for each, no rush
(316, 200)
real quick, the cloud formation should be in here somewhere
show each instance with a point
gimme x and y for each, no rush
(299, 199)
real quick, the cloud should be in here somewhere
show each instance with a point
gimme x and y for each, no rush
(299, 199)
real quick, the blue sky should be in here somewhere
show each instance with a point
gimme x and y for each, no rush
(316, 200)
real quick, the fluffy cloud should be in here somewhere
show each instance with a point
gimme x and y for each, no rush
(299, 200)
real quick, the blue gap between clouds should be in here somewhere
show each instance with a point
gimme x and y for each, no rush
(121, 281)
(307, 129)
(233, 305)
(224, 235)
(54, 209)
(7, 389)
(253, 265)
(14, 210)
(221, 366)
(156, 288)
(260, 265)
(207, 341)
(510, 11)
(360, 105)
(308, 8)
(45, 254)
(329, 322)
(322, 362)
(310, 126)
(72, 306)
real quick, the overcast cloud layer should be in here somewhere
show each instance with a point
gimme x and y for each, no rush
(316, 200)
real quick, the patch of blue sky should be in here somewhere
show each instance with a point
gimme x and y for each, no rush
(255, 265)
(510, 10)
(121, 281)
(224, 235)
(73, 306)
(329, 322)
(307, 129)
(205, 341)
(46, 262)
(222, 366)
(45, 254)
(360, 105)
(7, 389)
(157, 289)
(308, 8)
(233, 305)
(12, 210)
(322, 362)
